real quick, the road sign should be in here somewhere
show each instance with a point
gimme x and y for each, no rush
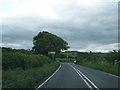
(51, 52)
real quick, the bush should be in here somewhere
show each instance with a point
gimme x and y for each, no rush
(112, 56)
(14, 60)
(20, 70)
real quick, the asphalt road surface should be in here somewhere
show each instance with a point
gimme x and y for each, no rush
(70, 75)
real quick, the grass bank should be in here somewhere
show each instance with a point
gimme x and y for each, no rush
(29, 78)
(21, 70)
(103, 66)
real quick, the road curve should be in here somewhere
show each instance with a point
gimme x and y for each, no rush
(71, 75)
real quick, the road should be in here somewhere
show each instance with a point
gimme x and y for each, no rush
(70, 75)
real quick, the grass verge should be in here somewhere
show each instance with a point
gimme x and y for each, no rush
(29, 78)
(104, 66)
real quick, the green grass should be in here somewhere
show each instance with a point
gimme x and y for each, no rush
(103, 66)
(29, 78)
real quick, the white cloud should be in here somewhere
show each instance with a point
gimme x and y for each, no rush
(11, 45)
(26, 8)
(100, 48)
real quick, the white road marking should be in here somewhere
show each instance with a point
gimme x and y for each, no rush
(87, 80)
(112, 75)
(48, 78)
(83, 78)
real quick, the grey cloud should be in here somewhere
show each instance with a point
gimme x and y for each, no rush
(79, 26)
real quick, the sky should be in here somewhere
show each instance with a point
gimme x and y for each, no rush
(87, 25)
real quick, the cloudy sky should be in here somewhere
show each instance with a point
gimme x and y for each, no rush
(87, 25)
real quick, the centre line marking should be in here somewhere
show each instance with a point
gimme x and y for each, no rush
(86, 80)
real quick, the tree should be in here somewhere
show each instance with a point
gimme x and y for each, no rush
(45, 42)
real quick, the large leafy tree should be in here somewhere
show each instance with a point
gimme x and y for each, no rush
(45, 42)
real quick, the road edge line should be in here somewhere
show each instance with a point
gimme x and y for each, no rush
(110, 74)
(48, 78)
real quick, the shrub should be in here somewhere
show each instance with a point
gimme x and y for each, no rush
(14, 60)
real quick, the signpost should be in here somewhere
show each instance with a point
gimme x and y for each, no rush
(51, 53)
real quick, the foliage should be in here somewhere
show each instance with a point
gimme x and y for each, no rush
(92, 57)
(112, 57)
(60, 55)
(70, 54)
(14, 60)
(29, 78)
(10, 50)
(45, 41)
(23, 70)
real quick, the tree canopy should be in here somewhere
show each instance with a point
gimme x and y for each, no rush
(45, 42)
